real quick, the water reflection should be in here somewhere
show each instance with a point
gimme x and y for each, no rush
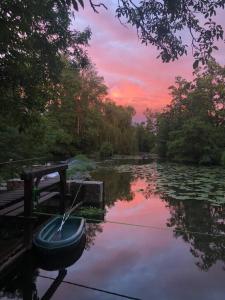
(142, 262)
(117, 185)
(92, 230)
(21, 283)
(200, 188)
(61, 262)
(198, 211)
(188, 218)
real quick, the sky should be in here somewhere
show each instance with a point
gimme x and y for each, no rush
(131, 70)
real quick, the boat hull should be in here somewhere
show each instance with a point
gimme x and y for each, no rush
(49, 241)
(61, 260)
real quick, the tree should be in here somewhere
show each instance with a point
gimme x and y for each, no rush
(196, 141)
(117, 127)
(162, 24)
(192, 127)
(74, 118)
(145, 137)
(34, 35)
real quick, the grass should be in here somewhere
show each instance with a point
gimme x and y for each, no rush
(90, 212)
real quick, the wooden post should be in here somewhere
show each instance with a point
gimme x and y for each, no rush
(29, 285)
(28, 176)
(62, 175)
(28, 208)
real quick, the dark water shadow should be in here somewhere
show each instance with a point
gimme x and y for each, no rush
(59, 262)
(20, 282)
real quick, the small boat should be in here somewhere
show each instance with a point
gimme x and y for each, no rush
(60, 262)
(57, 240)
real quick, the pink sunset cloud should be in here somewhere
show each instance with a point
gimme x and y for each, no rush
(131, 71)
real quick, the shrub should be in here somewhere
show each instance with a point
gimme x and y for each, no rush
(106, 150)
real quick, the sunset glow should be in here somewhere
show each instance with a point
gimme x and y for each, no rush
(131, 70)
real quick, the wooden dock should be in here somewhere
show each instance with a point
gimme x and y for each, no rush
(17, 208)
(11, 198)
(18, 219)
(18, 205)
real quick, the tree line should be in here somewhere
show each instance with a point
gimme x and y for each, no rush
(192, 127)
(53, 102)
(77, 117)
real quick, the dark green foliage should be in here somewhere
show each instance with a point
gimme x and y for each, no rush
(80, 163)
(223, 159)
(77, 119)
(53, 102)
(90, 213)
(161, 23)
(192, 128)
(106, 150)
(118, 129)
(82, 121)
(34, 35)
(196, 141)
(145, 138)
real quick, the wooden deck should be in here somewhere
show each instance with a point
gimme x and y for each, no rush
(16, 210)
(13, 198)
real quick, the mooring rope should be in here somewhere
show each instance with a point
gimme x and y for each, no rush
(67, 214)
(91, 288)
(142, 226)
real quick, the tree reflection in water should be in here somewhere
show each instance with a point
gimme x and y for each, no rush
(117, 185)
(92, 230)
(190, 216)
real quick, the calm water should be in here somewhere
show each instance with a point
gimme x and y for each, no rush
(179, 254)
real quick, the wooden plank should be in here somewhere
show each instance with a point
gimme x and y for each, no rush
(38, 172)
(13, 207)
(18, 208)
(46, 196)
(9, 198)
(16, 212)
(12, 195)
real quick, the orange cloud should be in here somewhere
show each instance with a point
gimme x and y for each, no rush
(131, 71)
